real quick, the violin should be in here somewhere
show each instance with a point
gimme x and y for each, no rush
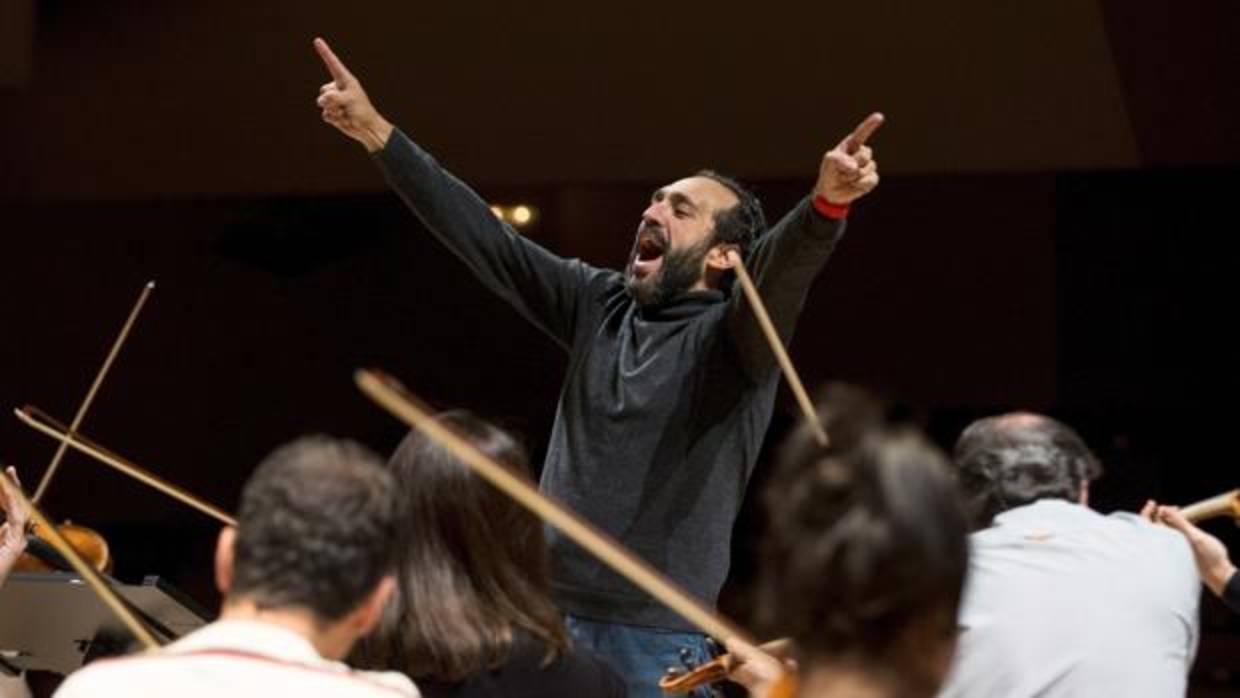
(786, 687)
(680, 681)
(41, 556)
(71, 560)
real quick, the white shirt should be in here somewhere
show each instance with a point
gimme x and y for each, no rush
(1063, 601)
(232, 659)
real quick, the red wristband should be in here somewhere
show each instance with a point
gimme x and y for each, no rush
(833, 211)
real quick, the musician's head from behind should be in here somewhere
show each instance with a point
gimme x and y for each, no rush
(473, 567)
(312, 549)
(687, 234)
(865, 554)
(1018, 458)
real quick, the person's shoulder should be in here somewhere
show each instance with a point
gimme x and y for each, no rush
(160, 673)
(1157, 534)
(392, 683)
(1158, 546)
(121, 676)
(607, 289)
(607, 282)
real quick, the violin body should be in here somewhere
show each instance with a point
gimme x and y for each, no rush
(719, 669)
(786, 687)
(688, 678)
(86, 541)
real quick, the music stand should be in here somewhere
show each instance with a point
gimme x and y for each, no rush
(52, 621)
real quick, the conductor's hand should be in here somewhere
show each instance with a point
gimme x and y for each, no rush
(849, 170)
(346, 106)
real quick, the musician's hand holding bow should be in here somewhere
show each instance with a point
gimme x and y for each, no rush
(1210, 553)
(762, 675)
(13, 530)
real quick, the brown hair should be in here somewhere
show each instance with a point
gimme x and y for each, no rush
(313, 528)
(472, 564)
(865, 555)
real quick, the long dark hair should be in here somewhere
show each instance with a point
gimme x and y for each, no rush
(472, 564)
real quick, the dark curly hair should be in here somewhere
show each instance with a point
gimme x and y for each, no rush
(866, 551)
(315, 528)
(742, 224)
(1015, 459)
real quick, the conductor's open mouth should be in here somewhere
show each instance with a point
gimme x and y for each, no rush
(650, 245)
(650, 248)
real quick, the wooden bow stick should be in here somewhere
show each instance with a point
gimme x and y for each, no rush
(1226, 504)
(92, 578)
(393, 397)
(94, 389)
(781, 354)
(39, 421)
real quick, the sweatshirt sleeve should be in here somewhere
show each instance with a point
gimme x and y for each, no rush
(547, 289)
(783, 263)
(1231, 592)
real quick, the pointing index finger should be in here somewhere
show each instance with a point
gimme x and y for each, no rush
(339, 73)
(862, 133)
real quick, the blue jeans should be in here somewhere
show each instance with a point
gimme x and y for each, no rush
(640, 654)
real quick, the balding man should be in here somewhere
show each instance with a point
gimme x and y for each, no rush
(1061, 600)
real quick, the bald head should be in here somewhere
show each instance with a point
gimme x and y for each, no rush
(1014, 422)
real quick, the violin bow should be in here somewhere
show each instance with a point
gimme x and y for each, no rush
(1225, 504)
(388, 393)
(94, 389)
(781, 353)
(92, 578)
(39, 421)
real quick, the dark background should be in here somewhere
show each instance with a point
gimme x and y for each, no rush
(1054, 230)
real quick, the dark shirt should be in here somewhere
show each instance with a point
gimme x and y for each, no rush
(1231, 592)
(574, 674)
(663, 410)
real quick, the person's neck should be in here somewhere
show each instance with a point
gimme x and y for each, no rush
(842, 681)
(331, 641)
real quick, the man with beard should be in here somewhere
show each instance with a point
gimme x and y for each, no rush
(670, 385)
